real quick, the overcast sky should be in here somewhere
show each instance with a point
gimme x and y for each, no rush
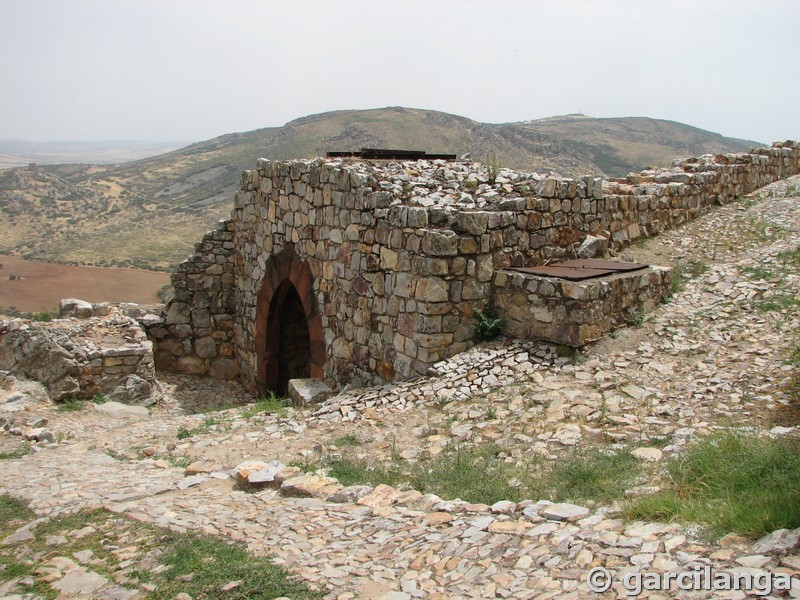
(190, 70)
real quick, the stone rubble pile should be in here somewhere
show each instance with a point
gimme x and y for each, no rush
(102, 351)
(462, 376)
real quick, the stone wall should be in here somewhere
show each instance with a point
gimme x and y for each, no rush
(390, 260)
(195, 333)
(575, 312)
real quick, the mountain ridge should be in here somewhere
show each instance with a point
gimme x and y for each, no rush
(150, 212)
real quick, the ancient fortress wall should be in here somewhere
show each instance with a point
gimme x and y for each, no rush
(386, 262)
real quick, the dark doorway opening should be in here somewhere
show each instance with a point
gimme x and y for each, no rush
(289, 323)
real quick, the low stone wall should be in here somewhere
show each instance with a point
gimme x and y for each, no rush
(575, 312)
(108, 354)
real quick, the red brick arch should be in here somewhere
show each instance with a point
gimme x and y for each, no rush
(282, 269)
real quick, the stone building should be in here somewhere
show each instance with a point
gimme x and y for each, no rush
(351, 270)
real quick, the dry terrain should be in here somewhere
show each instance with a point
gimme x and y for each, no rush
(30, 286)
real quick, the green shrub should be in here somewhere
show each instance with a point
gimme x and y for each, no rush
(488, 324)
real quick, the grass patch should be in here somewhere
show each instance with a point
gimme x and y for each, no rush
(346, 441)
(354, 472)
(790, 257)
(174, 562)
(730, 482)
(13, 514)
(483, 475)
(764, 231)
(777, 303)
(271, 404)
(70, 404)
(472, 474)
(682, 272)
(116, 455)
(212, 563)
(208, 422)
(592, 474)
(18, 452)
(757, 272)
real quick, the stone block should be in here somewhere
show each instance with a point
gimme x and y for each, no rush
(193, 365)
(308, 391)
(72, 307)
(593, 246)
(178, 313)
(224, 368)
(475, 223)
(432, 289)
(440, 243)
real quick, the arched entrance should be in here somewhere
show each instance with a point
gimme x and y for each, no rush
(289, 340)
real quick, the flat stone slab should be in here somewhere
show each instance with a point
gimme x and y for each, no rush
(117, 409)
(564, 512)
(80, 582)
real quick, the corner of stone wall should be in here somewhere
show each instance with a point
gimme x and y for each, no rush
(196, 332)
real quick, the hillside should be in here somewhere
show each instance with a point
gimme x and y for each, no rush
(151, 212)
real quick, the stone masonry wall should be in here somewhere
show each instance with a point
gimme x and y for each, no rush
(399, 255)
(195, 334)
(575, 312)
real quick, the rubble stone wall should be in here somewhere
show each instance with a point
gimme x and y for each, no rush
(195, 334)
(575, 313)
(399, 255)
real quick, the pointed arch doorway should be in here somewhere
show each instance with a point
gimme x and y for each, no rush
(289, 340)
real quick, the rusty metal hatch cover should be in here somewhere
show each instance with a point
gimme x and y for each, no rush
(580, 269)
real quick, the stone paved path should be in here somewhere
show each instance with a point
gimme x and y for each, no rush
(709, 358)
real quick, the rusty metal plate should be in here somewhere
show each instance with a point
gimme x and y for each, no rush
(578, 270)
(596, 263)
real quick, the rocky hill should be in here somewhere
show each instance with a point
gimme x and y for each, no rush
(150, 212)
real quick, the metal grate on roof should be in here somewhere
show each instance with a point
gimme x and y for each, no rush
(580, 269)
(389, 154)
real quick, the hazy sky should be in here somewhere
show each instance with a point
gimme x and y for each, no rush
(194, 69)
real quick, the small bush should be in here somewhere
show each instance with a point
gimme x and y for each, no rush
(492, 168)
(488, 324)
(574, 354)
(267, 405)
(70, 404)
